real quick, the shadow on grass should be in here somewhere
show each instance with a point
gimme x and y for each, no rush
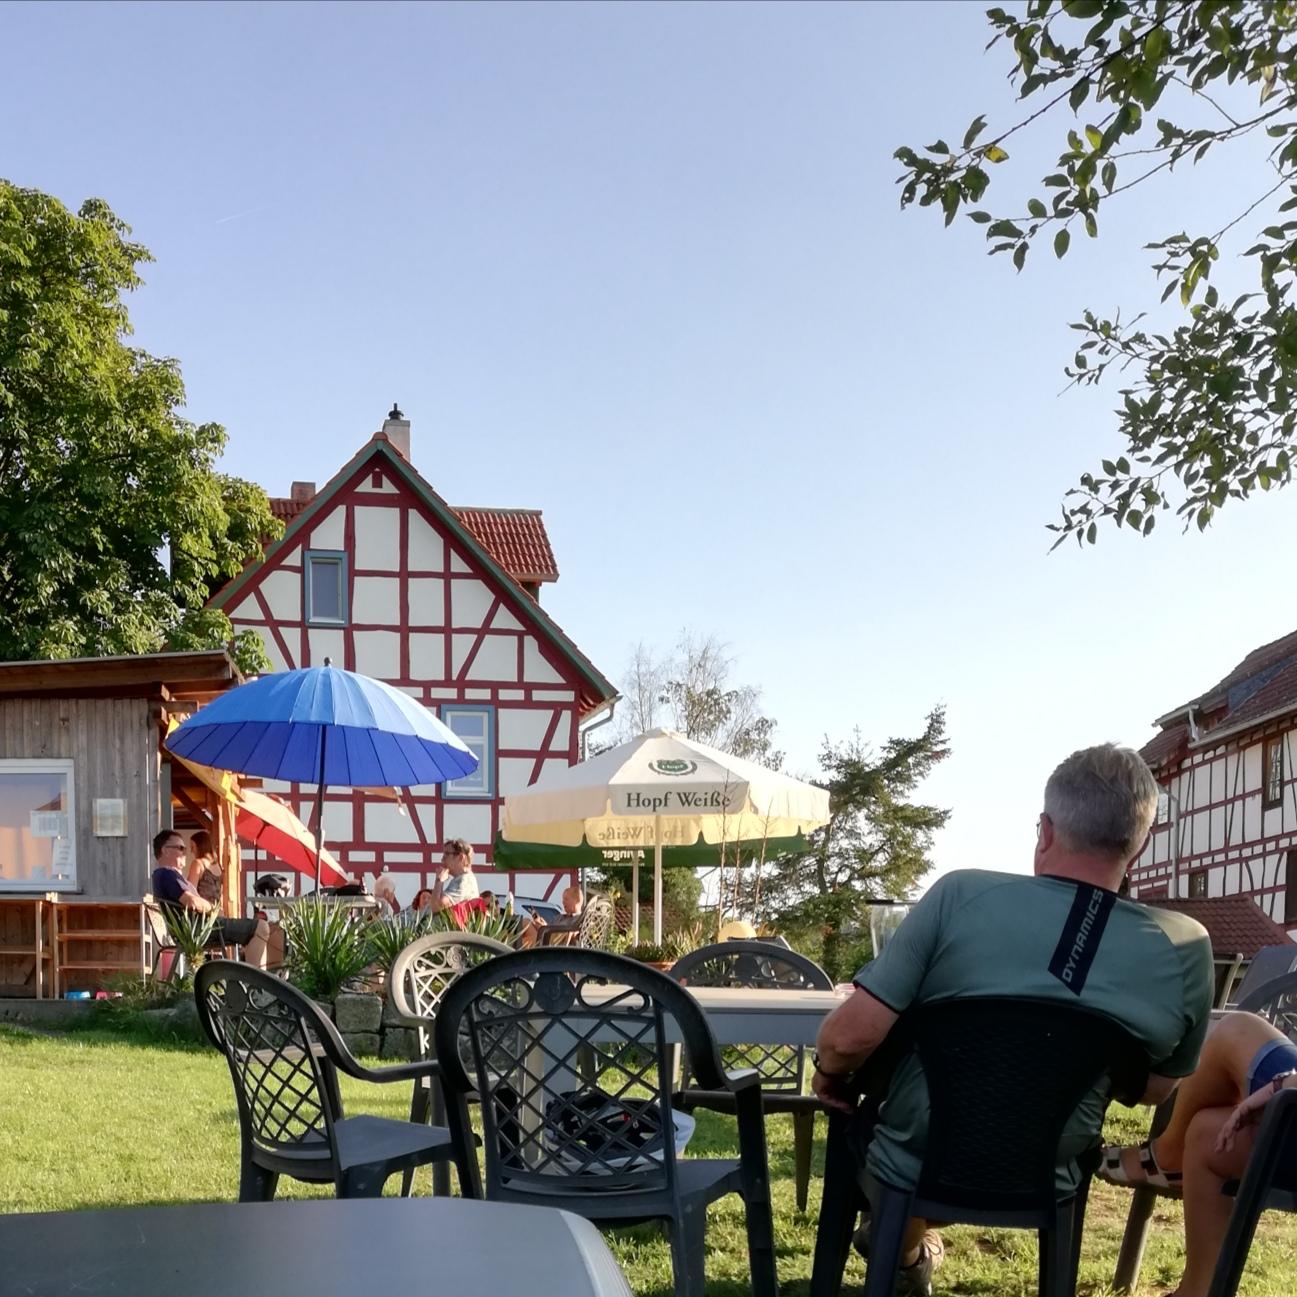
(117, 1028)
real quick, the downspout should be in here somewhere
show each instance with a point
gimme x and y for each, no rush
(594, 725)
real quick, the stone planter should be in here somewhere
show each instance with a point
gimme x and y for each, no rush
(358, 1011)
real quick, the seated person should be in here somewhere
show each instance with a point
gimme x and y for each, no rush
(573, 902)
(172, 887)
(1245, 1063)
(1063, 934)
(455, 879)
(384, 893)
(422, 901)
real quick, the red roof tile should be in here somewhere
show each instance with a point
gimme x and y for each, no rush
(1166, 747)
(1235, 924)
(1276, 695)
(515, 538)
(1260, 659)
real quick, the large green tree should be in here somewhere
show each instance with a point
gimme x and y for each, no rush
(875, 846)
(115, 525)
(1208, 396)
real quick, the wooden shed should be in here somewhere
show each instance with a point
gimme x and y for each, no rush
(84, 786)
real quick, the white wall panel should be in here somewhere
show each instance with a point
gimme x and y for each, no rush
(282, 592)
(497, 659)
(427, 656)
(327, 532)
(1272, 822)
(427, 600)
(1217, 828)
(277, 662)
(377, 600)
(457, 564)
(469, 603)
(460, 647)
(324, 642)
(1201, 837)
(515, 774)
(427, 549)
(378, 653)
(339, 820)
(378, 534)
(385, 485)
(535, 669)
(384, 822)
(1252, 818)
(468, 820)
(523, 727)
(554, 695)
(505, 620)
(1252, 767)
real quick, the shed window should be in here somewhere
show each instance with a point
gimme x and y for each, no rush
(1272, 793)
(37, 826)
(1198, 883)
(325, 578)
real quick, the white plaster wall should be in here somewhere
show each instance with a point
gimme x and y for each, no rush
(469, 602)
(1201, 839)
(327, 532)
(324, 642)
(468, 820)
(378, 534)
(1217, 828)
(460, 646)
(277, 662)
(1160, 853)
(1272, 822)
(535, 669)
(1218, 779)
(1252, 768)
(1252, 818)
(427, 600)
(377, 599)
(497, 659)
(384, 822)
(427, 656)
(505, 620)
(477, 695)
(385, 485)
(512, 695)
(457, 564)
(515, 774)
(523, 727)
(427, 549)
(554, 695)
(282, 592)
(378, 653)
(339, 820)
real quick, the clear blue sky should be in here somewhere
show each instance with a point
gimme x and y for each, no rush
(643, 267)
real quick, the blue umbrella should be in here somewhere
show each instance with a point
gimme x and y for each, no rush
(323, 725)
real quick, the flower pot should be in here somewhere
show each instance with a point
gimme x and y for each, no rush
(662, 965)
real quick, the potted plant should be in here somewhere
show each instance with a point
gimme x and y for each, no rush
(651, 953)
(327, 949)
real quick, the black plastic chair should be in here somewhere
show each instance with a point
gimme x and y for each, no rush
(782, 1068)
(1269, 1183)
(284, 1056)
(420, 977)
(1004, 1076)
(514, 1030)
(591, 929)
(1276, 1002)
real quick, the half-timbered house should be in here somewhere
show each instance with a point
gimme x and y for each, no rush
(1227, 820)
(378, 573)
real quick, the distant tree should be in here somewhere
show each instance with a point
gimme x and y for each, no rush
(114, 524)
(876, 844)
(1209, 409)
(691, 690)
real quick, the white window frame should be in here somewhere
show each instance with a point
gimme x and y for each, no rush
(330, 556)
(483, 791)
(47, 765)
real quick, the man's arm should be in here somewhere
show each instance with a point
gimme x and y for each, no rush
(190, 900)
(852, 1032)
(1159, 1088)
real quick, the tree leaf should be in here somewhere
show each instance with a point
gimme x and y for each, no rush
(1037, 208)
(978, 126)
(1080, 92)
(994, 153)
(1020, 255)
(1061, 240)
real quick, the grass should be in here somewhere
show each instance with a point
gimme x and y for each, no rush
(99, 1117)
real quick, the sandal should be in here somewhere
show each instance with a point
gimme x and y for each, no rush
(1114, 1171)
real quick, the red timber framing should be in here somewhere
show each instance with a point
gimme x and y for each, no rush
(429, 610)
(1213, 819)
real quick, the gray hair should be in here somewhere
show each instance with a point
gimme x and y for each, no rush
(1101, 801)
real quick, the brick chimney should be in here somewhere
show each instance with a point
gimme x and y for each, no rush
(302, 492)
(396, 427)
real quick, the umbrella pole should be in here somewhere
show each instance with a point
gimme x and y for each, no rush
(657, 880)
(634, 895)
(319, 807)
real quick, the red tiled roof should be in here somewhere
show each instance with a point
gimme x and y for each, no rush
(1277, 694)
(1257, 661)
(515, 538)
(1235, 924)
(1166, 747)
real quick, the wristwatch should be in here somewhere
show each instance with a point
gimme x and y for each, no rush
(823, 1071)
(1277, 1083)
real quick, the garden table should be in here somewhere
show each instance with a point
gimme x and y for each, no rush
(304, 1249)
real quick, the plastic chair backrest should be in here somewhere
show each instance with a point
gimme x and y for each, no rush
(424, 970)
(1276, 1002)
(277, 1043)
(514, 1029)
(1004, 1076)
(1267, 964)
(763, 965)
(596, 923)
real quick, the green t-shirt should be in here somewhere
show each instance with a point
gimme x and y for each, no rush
(977, 933)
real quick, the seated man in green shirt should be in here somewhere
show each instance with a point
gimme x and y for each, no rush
(1062, 932)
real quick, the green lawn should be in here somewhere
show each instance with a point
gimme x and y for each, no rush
(97, 1119)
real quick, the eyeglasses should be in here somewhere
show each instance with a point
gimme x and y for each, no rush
(1040, 825)
(174, 846)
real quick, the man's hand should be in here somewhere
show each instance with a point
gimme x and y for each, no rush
(831, 1091)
